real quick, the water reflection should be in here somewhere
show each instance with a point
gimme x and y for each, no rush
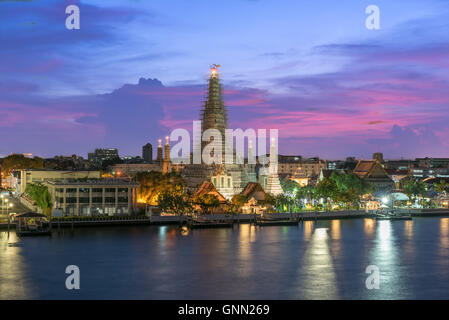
(386, 256)
(444, 236)
(369, 227)
(318, 270)
(247, 236)
(408, 229)
(13, 274)
(308, 229)
(336, 229)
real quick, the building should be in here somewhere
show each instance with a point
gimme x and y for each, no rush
(373, 172)
(147, 153)
(126, 169)
(207, 188)
(299, 167)
(255, 196)
(42, 175)
(214, 116)
(99, 155)
(379, 156)
(93, 197)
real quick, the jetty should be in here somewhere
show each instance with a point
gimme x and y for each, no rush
(393, 215)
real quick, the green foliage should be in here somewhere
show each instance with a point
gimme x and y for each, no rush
(176, 202)
(441, 187)
(152, 184)
(207, 202)
(40, 195)
(289, 186)
(238, 201)
(414, 188)
(19, 161)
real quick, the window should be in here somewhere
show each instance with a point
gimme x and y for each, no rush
(222, 181)
(122, 199)
(98, 190)
(83, 200)
(122, 189)
(229, 182)
(109, 199)
(109, 190)
(84, 190)
(97, 200)
(70, 200)
(71, 190)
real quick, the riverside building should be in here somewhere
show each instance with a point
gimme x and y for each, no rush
(93, 197)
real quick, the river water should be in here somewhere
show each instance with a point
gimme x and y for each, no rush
(316, 260)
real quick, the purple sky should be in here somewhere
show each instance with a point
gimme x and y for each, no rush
(137, 70)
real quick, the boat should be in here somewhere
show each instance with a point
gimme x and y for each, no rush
(32, 224)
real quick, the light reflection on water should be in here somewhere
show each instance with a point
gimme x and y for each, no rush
(316, 260)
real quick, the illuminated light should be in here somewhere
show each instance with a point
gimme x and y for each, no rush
(385, 200)
(321, 233)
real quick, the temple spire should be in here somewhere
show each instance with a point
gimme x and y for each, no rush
(214, 114)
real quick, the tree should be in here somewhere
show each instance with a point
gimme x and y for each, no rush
(441, 187)
(19, 161)
(40, 195)
(152, 184)
(176, 202)
(207, 202)
(238, 201)
(327, 190)
(289, 186)
(414, 188)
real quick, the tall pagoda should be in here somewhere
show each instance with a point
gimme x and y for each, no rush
(214, 114)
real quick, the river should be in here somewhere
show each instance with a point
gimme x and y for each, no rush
(316, 260)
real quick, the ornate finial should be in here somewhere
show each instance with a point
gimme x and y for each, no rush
(166, 138)
(213, 69)
(159, 143)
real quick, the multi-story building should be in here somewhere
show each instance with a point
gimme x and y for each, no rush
(93, 197)
(124, 169)
(296, 166)
(99, 155)
(41, 175)
(147, 153)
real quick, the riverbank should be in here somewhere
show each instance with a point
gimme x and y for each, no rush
(240, 218)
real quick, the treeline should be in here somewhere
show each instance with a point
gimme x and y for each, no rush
(19, 161)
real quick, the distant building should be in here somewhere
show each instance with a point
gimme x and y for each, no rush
(373, 172)
(99, 155)
(379, 156)
(93, 197)
(147, 153)
(125, 169)
(42, 175)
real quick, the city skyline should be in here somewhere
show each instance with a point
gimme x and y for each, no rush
(131, 75)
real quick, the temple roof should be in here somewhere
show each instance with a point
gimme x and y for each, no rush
(207, 187)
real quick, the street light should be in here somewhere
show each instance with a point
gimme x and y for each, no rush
(7, 207)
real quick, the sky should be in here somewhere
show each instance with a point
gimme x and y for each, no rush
(137, 70)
